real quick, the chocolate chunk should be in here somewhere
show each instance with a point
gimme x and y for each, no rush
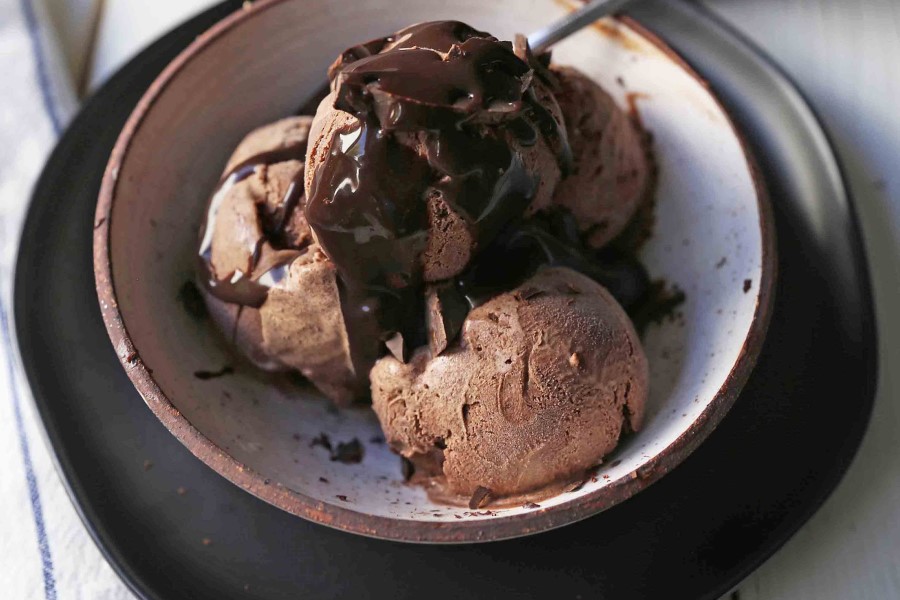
(446, 311)
(747, 285)
(480, 497)
(321, 440)
(348, 452)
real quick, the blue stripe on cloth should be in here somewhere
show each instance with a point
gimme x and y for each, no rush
(42, 73)
(33, 491)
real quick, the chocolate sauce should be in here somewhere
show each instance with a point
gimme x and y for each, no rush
(269, 257)
(438, 106)
(440, 109)
(550, 239)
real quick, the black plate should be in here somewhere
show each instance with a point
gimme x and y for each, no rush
(696, 533)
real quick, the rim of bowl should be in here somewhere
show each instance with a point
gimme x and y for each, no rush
(346, 519)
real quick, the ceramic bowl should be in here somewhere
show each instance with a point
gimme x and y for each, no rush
(713, 239)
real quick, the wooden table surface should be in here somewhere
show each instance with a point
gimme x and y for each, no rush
(845, 57)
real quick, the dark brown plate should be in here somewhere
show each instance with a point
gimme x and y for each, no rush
(693, 534)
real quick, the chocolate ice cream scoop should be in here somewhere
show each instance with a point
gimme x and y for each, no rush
(267, 284)
(612, 174)
(539, 388)
(432, 140)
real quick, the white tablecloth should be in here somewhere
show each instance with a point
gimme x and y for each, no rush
(844, 55)
(45, 552)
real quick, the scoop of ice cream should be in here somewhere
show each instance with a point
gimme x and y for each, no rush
(267, 284)
(611, 175)
(539, 388)
(432, 140)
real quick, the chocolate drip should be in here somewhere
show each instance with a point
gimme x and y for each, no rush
(438, 107)
(269, 257)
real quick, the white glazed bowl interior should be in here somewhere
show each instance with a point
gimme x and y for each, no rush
(707, 241)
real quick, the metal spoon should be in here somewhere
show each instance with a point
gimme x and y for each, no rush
(544, 38)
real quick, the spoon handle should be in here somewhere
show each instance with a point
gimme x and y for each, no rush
(544, 38)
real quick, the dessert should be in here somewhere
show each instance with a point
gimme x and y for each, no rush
(436, 239)
(611, 176)
(266, 282)
(542, 382)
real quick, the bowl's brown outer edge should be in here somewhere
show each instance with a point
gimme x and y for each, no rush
(400, 529)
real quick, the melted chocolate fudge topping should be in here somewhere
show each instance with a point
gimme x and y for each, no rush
(270, 255)
(438, 107)
(440, 110)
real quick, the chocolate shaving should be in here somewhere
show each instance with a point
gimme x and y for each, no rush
(446, 310)
(748, 283)
(397, 347)
(576, 486)
(345, 452)
(342, 498)
(204, 375)
(480, 497)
